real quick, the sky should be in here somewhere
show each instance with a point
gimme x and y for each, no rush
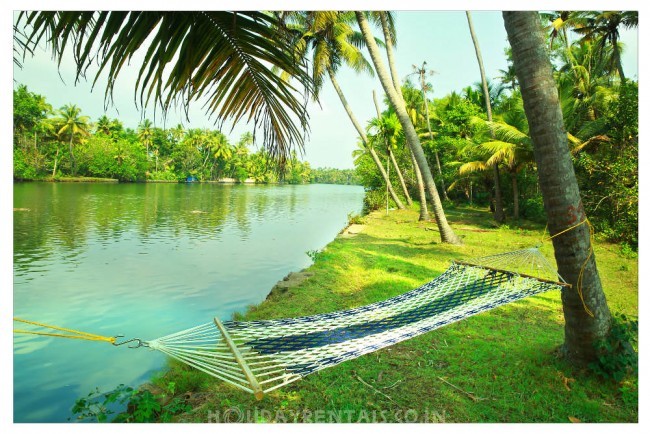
(441, 38)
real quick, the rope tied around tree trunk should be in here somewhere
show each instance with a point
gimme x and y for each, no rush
(584, 265)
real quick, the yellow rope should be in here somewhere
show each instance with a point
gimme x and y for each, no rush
(568, 229)
(584, 265)
(74, 334)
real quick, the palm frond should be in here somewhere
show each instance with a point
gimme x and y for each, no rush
(507, 133)
(500, 152)
(226, 57)
(592, 140)
(472, 166)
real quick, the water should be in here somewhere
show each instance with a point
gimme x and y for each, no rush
(146, 260)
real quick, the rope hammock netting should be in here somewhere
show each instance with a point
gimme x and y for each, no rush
(261, 356)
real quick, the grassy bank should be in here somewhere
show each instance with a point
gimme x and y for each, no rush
(499, 366)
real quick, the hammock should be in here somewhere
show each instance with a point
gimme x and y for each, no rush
(261, 356)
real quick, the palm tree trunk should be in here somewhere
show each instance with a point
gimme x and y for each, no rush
(564, 208)
(55, 161)
(617, 56)
(515, 195)
(499, 215)
(362, 134)
(388, 41)
(435, 152)
(442, 180)
(409, 202)
(74, 169)
(447, 235)
(424, 212)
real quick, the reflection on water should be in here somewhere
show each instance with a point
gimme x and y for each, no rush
(145, 260)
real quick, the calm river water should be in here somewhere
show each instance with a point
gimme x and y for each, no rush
(146, 260)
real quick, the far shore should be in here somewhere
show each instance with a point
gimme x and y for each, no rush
(85, 179)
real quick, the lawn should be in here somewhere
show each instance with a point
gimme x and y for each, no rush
(498, 366)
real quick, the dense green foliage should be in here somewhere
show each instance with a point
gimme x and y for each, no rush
(328, 175)
(143, 405)
(619, 351)
(600, 108)
(61, 143)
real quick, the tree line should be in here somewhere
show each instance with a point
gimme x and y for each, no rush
(49, 144)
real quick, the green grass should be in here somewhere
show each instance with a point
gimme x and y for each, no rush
(499, 366)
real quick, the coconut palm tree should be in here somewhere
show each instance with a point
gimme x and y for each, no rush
(585, 88)
(414, 103)
(70, 123)
(603, 27)
(447, 234)
(228, 57)
(424, 87)
(508, 76)
(509, 145)
(499, 215)
(145, 134)
(587, 316)
(177, 133)
(103, 125)
(333, 43)
(219, 148)
(388, 129)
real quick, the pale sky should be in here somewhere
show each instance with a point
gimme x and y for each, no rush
(441, 38)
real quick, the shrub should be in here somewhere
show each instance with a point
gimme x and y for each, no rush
(376, 199)
(618, 355)
(533, 209)
(355, 219)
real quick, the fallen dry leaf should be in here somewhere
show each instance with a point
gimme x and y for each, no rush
(574, 419)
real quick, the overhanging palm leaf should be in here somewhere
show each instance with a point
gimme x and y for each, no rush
(226, 57)
(500, 152)
(472, 166)
(507, 133)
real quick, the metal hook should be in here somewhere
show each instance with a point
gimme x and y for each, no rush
(139, 342)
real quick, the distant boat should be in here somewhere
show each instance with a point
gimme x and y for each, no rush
(191, 178)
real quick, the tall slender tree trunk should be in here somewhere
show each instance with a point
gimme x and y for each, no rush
(564, 208)
(617, 55)
(447, 234)
(499, 215)
(409, 202)
(424, 211)
(435, 151)
(515, 195)
(388, 40)
(442, 180)
(74, 163)
(362, 134)
(55, 162)
(391, 154)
